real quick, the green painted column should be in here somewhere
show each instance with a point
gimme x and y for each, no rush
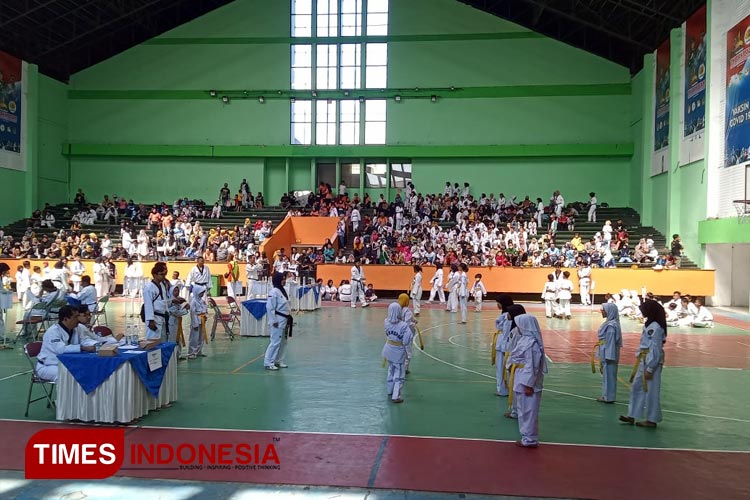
(675, 134)
(30, 139)
(338, 168)
(313, 184)
(647, 138)
(286, 176)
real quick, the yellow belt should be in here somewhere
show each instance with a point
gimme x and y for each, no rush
(202, 316)
(593, 357)
(513, 369)
(641, 359)
(391, 342)
(180, 337)
(494, 346)
(506, 355)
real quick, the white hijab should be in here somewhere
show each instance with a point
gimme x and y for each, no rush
(613, 320)
(528, 326)
(394, 315)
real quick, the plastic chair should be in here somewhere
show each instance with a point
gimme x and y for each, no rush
(101, 310)
(220, 317)
(31, 350)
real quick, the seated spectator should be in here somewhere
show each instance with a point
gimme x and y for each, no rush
(370, 293)
(345, 291)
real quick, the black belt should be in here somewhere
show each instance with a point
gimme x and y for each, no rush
(201, 284)
(289, 323)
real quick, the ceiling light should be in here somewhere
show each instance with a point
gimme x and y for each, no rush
(361, 99)
(315, 93)
(224, 99)
(212, 93)
(261, 99)
(398, 98)
(433, 98)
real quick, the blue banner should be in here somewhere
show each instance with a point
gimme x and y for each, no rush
(10, 103)
(737, 119)
(661, 118)
(695, 73)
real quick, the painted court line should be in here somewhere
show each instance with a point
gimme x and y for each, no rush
(579, 396)
(15, 375)
(366, 434)
(256, 358)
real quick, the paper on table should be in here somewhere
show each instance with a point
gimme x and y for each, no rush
(137, 352)
(127, 347)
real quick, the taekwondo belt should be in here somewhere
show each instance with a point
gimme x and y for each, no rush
(201, 284)
(513, 369)
(593, 357)
(641, 359)
(393, 342)
(289, 323)
(494, 347)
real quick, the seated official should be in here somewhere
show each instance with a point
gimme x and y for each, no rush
(56, 341)
(49, 296)
(83, 335)
(87, 295)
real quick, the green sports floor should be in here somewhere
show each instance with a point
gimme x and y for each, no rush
(335, 384)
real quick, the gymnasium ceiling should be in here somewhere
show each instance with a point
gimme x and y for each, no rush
(66, 36)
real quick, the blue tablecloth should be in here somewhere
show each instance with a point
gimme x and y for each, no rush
(303, 290)
(91, 370)
(256, 307)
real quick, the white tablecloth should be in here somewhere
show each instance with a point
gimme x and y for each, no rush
(258, 289)
(308, 301)
(121, 398)
(251, 327)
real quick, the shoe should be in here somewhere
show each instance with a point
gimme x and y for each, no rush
(192, 356)
(396, 401)
(428, 302)
(281, 365)
(627, 420)
(521, 445)
(354, 307)
(567, 317)
(509, 414)
(365, 305)
(602, 400)
(272, 368)
(646, 423)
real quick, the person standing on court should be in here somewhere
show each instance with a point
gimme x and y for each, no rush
(437, 285)
(502, 324)
(358, 284)
(157, 295)
(416, 289)
(645, 391)
(279, 314)
(408, 318)
(463, 290)
(608, 352)
(528, 366)
(200, 274)
(398, 335)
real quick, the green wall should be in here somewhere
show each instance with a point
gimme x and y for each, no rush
(536, 177)
(11, 200)
(52, 166)
(163, 179)
(541, 92)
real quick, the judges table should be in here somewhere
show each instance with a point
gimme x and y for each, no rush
(253, 322)
(308, 297)
(119, 388)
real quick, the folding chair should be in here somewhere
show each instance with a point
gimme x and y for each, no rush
(220, 317)
(234, 310)
(101, 310)
(31, 350)
(31, 321)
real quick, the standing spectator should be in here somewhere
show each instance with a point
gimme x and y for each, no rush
(676, 250)
(592, 207)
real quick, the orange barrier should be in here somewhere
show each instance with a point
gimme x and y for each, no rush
(303, 231)
(496, 279)
(504, 279)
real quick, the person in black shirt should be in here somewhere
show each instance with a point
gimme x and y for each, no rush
(676, 249)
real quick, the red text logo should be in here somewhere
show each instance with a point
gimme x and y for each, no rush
(75, 454)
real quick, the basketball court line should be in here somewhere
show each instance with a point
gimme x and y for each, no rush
(579, 396)
(15, 375)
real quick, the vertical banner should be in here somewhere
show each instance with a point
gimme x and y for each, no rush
(660, 160)
(737, 118)
(10, 111)
(695, 74)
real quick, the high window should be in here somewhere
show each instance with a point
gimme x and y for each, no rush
(347, 65)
